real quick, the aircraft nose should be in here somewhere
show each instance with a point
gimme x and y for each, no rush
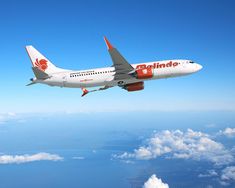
(199, 67)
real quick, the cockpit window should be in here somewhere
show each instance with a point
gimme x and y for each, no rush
(191, 62)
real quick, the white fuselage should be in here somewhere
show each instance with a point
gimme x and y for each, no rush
(105, 76)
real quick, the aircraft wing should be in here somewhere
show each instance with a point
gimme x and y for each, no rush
(122, 67)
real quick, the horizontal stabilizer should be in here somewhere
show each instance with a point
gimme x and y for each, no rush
(39, 74)
(32, 83)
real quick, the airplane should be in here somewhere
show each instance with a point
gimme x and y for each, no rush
(130, 77)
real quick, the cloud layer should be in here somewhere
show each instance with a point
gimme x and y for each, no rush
(228, 173)
(154, 182)
(184, 145)
(17, 159)
(6, 116)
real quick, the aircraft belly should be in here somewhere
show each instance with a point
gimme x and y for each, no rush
(87, 82)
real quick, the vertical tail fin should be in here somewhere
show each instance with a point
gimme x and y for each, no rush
(41, 62)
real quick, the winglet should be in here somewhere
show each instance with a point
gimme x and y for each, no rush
(109, 46)
(85, 91)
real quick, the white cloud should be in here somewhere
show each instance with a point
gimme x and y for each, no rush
(12, 114)
(4, 117)
(223, 183)
(210, 173)
(128, 162)
(11, 159)
(154, 182)
(228, 174)
(229, 132)
(185, 145)
(78, 158)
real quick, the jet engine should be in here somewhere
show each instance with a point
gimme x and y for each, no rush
(134, 87)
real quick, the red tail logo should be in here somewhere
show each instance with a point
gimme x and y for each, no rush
(41, 64)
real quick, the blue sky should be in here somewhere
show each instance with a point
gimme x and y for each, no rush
(70, 34)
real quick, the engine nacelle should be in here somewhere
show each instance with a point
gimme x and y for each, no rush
(144, 73)
(134, 87)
